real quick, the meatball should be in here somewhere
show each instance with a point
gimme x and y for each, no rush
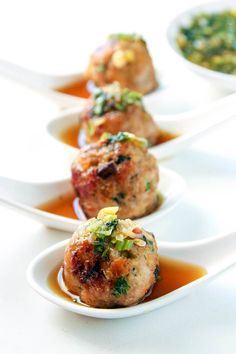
(112, 109)
(116, 171)
(110, 262)
(123, 58)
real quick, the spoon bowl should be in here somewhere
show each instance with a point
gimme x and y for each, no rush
(187, 126)
(214, 254)
(48, 84)
(26, 197)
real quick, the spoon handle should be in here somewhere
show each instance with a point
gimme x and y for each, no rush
(220, 250)
(41, 83)
(211, 113)
(219, 110)
(217, 252)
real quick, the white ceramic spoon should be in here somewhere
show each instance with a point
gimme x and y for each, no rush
(46, 84)
(214, 254)
(190, 126)
(41, 83)
(24, 197)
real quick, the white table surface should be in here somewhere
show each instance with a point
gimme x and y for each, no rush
(47, 36)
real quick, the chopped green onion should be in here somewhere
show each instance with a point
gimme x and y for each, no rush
(112, 97)
(125, 245)
(147, 186)
(121, 287)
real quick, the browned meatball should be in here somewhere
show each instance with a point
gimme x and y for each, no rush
(110, 262)
(112, 109)
(123, 58)
(118, 170)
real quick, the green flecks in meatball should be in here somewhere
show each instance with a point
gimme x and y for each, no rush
(113, 98)
(119, 198)
(121, 287)
(148, 242)
(101, 246)
(156, 273)
(147, 186)
(122, 158)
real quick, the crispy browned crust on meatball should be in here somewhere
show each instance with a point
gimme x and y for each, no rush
(93, 279)
(119, 174)
(136, 73)
(133, 120)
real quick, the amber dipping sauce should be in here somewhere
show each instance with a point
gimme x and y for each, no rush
(67, 205)
(70, 136)
(64, 205)
(173, 275)
(78, 88)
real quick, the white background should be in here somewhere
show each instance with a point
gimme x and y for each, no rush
(56, 37)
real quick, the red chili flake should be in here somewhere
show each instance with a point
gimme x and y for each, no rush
(137, 230)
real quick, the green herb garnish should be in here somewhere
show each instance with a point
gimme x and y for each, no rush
(106, 234)
(147, 186)
(210, 41)
(121, 287)
(113, 98)
(101, 247)
(102, 231)
(148, 242)
(122, 158)
(124, 136)
(124, 245)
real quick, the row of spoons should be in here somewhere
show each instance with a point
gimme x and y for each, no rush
(214, 255)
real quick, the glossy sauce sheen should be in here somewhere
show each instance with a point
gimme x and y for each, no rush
(173, 275)
(66, 205)
(78, 88)
(70, 136)
(63, 206)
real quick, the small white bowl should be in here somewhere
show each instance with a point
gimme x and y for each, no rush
(225, 81)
